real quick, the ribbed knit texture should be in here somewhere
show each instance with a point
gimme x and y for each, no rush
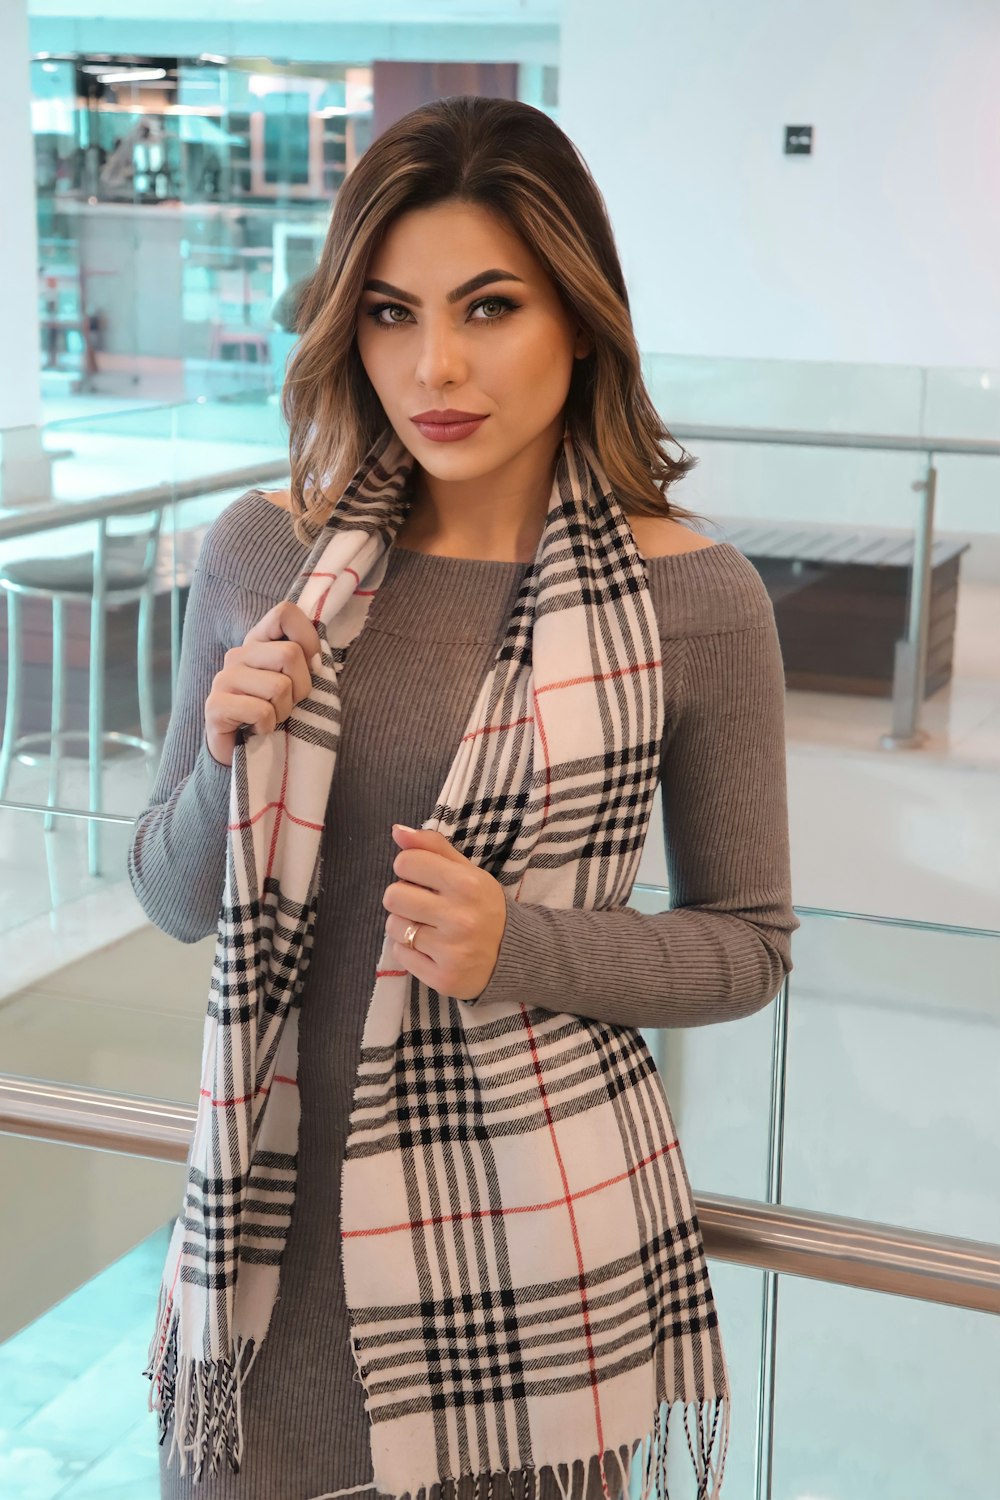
(407, 688)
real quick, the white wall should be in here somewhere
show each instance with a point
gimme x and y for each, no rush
(883, 246)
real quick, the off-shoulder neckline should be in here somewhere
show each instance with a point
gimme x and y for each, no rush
(430, 558)
(489, 562)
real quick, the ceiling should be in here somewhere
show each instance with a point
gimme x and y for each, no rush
(332, 12)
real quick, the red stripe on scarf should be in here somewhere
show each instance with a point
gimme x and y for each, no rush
(242, 1098)
(642, 666)
(522, 1208)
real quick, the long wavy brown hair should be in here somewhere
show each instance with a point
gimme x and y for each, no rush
(515, 161)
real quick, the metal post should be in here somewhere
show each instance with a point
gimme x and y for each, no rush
(175, 603)
(910, 674)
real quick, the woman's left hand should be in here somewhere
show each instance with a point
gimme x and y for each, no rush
(461, 909)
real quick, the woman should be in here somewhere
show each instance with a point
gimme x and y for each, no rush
(476, 550)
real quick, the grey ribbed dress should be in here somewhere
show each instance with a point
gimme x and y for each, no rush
(407, 688)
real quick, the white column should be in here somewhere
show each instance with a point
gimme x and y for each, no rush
(25, 470)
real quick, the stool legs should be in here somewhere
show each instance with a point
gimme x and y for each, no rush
(58, 654)
(12, 711)
(144, 647)
(14, 745)
(95, 729)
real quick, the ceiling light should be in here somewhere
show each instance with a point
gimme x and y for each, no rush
(134, 75)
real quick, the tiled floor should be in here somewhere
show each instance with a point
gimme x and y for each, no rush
(73, 1417)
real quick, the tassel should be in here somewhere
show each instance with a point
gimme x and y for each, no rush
(651, 1449)
(199, 1400)
(565, 1489)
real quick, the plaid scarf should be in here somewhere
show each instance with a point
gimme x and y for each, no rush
(523, 1267)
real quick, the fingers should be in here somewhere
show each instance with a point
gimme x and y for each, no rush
(286, 640)
(273, 659)
(263, 679)
(412, 903)
(439, 872)
(271, 670)
(396, 929)
(288, 620)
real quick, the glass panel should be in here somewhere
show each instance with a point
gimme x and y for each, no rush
(892, 1107)
(92, 993)
(739, 1294)
(880, 1396)
(826, 396)
(50, 898)
(963, 403)
(115, 452)
(716, 1078)
(82, 1263)
(807, 395)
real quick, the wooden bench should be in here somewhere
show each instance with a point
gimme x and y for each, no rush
(841, 600)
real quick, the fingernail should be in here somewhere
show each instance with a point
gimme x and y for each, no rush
(406, 826)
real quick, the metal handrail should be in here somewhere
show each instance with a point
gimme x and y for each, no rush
(55, 811)
(804, 438)
(823, 1247)
(28, 519)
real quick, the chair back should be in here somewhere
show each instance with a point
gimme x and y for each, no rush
(125, 554)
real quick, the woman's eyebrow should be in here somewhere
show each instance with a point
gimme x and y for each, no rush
(483, 279)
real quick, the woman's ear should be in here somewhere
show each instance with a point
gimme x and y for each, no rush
(584, 344)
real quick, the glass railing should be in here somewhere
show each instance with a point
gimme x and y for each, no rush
(888, 1109)
(116, 452)
(868, 579)
(826, 396)
(125, 481)
(865, 1090)
(82, 1261)
(862, 487)
(864, 496)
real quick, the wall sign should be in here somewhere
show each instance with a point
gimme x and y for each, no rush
(798, 140)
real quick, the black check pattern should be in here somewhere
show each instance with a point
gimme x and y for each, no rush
(522, 1262)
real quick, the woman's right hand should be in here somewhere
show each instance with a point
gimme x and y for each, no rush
(262, 680)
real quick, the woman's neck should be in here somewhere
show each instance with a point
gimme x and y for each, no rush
(498, 518)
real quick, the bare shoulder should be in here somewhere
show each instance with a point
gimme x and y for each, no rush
(277, 497)
(662, 536)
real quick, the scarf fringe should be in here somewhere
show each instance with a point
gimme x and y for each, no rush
(198, 1400)
(712, 1417)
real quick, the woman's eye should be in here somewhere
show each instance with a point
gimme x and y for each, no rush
(387, 307)
(499, 306)
(494, 309)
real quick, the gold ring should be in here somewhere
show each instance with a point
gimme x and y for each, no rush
(410, 933)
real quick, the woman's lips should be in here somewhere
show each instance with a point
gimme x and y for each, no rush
(448, 432)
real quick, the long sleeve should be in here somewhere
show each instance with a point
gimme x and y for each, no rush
(177, 857)
(722, 949)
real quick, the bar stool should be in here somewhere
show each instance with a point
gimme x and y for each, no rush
(121, 568)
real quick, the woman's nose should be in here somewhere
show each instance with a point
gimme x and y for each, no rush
(440, 360)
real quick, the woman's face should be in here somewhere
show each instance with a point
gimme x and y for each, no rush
(458, 315)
